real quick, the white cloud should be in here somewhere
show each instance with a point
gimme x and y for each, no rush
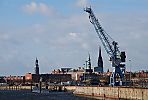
(43, 8)
(73, 35)
(30, 8)
(85, 46)
(4, 36)
(40, 8)
(82, 3)
(38, 28)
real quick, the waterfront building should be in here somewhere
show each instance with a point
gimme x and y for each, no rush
(76, 73)
(56, 78)
(65, 70)
(53, 78)
(2, 80)
(62, 71)
(32, 78)
(14, 80)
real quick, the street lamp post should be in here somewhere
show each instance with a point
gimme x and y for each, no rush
(84, 71)
(130, 70)
(86, 64)
(40, 82)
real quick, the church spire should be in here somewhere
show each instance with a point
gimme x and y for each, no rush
(100, 60)
(89, 62)
(36, 67)
(100, 52)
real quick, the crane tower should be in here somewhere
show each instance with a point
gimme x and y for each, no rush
(117, 58)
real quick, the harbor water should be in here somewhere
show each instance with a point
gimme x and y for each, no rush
(27, 95)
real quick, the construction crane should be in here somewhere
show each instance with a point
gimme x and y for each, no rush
(117, 58)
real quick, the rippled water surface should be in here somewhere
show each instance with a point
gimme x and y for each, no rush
(27, 95)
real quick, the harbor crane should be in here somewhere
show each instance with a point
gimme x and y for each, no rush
(117, 58)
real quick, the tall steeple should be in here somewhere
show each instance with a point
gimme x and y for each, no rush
(36, 67)
(89, 62)
(100, 60)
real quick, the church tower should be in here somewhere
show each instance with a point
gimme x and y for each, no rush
(100, 61)
(89, 65)
(89, 62)
(36, 67)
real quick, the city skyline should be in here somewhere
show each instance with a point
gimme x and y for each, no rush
(59, 33)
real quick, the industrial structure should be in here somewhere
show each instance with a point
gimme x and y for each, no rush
(116, 57)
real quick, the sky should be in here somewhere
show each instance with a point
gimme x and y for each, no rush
(59, 34)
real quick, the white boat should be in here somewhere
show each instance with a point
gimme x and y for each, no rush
(37, 90)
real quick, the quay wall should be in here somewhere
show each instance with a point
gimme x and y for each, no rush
(70, 88)
(98, 92)
(114, 93)
(15, 87)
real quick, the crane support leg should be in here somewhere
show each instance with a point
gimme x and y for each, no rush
(116, 73)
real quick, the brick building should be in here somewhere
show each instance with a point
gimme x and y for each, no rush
(34, 78)
(14, 80)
